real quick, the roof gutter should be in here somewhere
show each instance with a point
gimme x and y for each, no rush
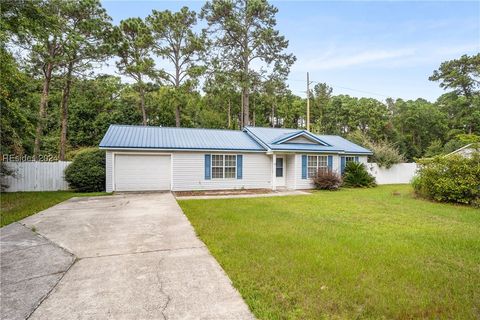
(269, 152)
(320, 151)
(180, 149)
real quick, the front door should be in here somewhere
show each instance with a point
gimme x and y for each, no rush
(280, 171)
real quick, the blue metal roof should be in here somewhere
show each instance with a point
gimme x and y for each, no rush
(271, 136)
(251, 139)
(145, 137)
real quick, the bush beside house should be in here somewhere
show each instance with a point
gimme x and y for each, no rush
(357, 176)
(449, 179)
(327, 180)
(86, 173)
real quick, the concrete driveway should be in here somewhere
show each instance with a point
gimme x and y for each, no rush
(137, 257)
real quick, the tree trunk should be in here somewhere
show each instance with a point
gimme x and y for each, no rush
(177, 113)
(273, 115)
(241, 111)
(253, 112)
(64, 112)
(246, 113)
(141, 93)
(142, 104)
(178, 110)
(245, 88)
(229, 114)
(42, 109)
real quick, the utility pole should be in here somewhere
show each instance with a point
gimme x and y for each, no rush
(308, 102)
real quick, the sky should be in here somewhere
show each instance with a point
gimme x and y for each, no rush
(375, 49)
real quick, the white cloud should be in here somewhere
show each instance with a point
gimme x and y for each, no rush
(341, 58)
(331, 60)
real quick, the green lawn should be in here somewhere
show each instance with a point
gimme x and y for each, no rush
(351, 254)
(18, 205)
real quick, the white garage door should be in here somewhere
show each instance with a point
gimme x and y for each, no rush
(142, 172)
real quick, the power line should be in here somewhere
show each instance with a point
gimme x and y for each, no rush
(345, 88)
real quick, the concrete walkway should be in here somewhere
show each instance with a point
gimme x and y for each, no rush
(253, 195)
(137, 258)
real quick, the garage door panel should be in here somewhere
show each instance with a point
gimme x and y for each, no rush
(142, 172)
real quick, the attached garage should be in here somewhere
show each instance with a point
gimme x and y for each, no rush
(142, 172)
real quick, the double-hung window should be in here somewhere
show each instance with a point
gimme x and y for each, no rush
(224, 166)
(349, 159)
(315, 164)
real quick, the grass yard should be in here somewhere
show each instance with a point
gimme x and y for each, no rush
(18, 205)
(351, 254)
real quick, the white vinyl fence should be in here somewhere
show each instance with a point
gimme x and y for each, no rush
(398, 173)
(37, 176)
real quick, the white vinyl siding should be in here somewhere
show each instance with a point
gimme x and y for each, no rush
(108, 171)
(189, 168)
(363, 159)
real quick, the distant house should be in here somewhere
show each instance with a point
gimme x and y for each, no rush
(140, 158)
(467, 151)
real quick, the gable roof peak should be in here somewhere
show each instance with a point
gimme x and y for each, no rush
(297, 134)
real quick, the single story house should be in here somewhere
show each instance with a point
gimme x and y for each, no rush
(143, 158)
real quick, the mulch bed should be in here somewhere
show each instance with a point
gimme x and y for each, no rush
(220, 192)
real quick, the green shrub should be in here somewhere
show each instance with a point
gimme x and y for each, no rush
(357, 176)
(86, 173)
(70, 155)
(449, 179)
(385, 154)
(4, 173)
(327, 180)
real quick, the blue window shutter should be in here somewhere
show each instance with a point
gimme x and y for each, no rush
(239, 166)
(356, 159)
(330, 163)
(342, 164)
(208, 167)
(304, 166)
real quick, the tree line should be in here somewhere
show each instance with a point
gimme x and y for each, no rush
(230, 74)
